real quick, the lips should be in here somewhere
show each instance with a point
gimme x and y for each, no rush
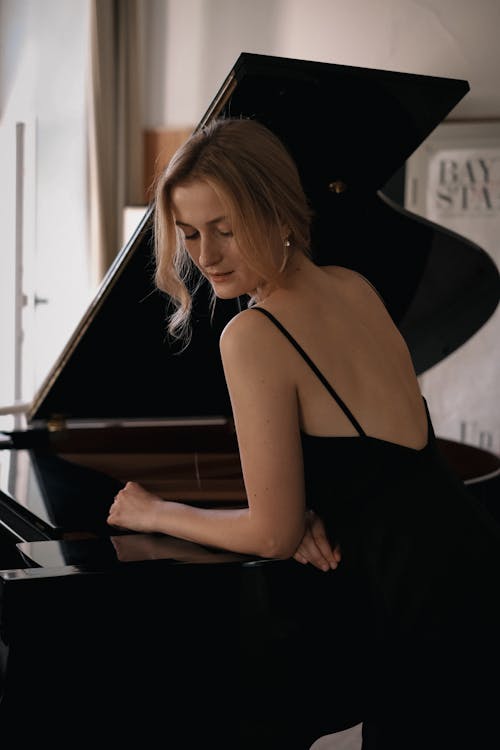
(220, 276)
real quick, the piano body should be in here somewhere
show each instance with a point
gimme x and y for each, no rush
(108, 633)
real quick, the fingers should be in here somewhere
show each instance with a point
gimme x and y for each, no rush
(314, 557)
(315, 547)
(309, 552)
(318, 532)
(300, 558)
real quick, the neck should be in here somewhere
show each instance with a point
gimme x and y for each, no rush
(298, 266)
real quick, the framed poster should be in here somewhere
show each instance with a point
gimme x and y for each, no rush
(453, 179)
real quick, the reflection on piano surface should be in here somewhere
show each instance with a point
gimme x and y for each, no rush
(111, 632)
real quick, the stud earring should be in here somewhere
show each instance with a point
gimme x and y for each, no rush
(286, 242)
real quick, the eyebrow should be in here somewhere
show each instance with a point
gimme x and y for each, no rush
(212, 221)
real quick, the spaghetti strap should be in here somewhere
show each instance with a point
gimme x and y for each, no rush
(313, 367)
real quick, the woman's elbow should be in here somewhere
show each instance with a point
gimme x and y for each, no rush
(280, 547)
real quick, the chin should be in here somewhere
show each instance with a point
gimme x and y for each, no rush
(230, 291)
(227, 294)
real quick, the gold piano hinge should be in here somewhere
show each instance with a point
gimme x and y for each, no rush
(337, 186)
(56, 423)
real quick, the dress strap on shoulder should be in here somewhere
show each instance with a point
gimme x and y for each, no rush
(313, 367)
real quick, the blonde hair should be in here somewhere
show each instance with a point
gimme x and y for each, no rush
(257, 180)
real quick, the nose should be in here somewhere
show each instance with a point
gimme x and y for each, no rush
(210, 253)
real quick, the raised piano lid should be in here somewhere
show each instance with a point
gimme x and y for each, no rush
(349, 129)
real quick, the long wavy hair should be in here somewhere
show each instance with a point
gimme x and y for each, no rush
(258, 183)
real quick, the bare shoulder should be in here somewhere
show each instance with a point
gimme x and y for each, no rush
(249, 341)
(347, 274)
(245, 330)
(354, 278)
(243, 322)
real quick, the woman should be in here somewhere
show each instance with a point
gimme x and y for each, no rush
(331, 425)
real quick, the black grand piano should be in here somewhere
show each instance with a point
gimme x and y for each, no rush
(112, 635)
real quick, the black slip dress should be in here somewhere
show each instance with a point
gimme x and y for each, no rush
(424, 555)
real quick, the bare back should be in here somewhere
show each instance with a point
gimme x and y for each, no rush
(344, 327)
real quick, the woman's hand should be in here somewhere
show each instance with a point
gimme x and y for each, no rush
(134, 508)
(315, 547)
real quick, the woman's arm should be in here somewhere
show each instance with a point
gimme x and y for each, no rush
(264, 403)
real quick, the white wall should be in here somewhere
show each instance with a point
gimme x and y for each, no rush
(43, 64)
(196, 42)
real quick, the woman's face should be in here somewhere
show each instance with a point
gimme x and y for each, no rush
(209, 240)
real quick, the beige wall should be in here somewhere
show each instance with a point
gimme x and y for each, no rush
(192, 45)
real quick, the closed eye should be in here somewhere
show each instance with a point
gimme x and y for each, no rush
(194, 235)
